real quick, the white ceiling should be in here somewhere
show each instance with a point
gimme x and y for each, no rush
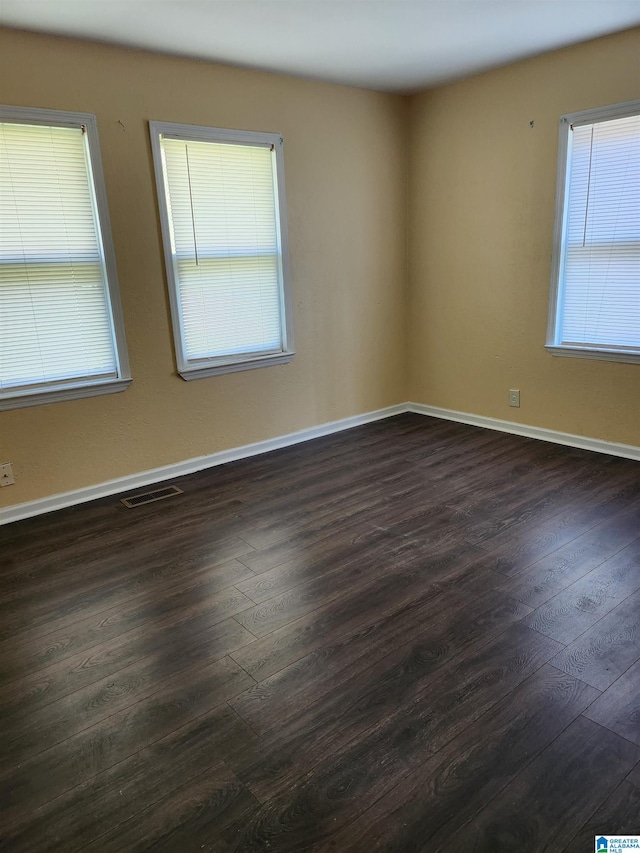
(392, 45)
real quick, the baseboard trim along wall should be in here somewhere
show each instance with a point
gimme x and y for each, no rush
(628, 451)
(135, 482)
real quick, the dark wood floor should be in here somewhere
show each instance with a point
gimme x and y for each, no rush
(412, 636)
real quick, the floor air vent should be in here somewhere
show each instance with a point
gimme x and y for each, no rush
(150, 497)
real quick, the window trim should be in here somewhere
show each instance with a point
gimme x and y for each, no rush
(73, 389)
(214, 366)
(590, 116)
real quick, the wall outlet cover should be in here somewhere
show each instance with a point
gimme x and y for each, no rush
(6, 474)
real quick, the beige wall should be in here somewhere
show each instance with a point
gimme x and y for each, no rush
(481, 209)
(345, 160)
(464, 324)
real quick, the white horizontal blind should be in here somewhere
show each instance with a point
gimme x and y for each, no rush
(225, 245)
(600, 289)
(55, 321)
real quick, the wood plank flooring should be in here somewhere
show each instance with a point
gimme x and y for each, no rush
(411, 636)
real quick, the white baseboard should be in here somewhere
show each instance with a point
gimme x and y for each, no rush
(628, 451)
(134, 482)
(189, 466)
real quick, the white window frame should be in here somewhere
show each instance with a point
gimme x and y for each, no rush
(200, 368)
(74, 388)
(553, 345)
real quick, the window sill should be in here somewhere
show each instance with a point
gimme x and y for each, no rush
(41, 397)
(628, 356)
(202, 370)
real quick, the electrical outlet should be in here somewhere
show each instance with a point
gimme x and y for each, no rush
(514, 398)
(6, 474)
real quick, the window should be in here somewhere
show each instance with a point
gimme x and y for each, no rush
(61, 330)
(222, 209)
(595, 286)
